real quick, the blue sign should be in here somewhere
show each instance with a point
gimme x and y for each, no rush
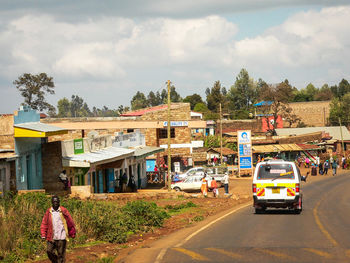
(176, 123)
(245, 162)
(244, 149)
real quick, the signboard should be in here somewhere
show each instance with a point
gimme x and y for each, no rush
(78, 146)
(176, 123)
(245, 159)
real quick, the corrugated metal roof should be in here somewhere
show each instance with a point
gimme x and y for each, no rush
(147, 150)
(276, 148)
(38, 126)
(105, 155)
(333, 131)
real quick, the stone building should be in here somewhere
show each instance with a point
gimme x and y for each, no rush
(312, 113)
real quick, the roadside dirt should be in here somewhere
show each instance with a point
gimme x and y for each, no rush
(240, 190)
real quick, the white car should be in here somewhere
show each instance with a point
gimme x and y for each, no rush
(191, 183)
(191, 172)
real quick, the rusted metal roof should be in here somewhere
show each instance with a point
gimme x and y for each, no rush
(276, 148)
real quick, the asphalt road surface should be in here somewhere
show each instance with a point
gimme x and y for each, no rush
(321, 233)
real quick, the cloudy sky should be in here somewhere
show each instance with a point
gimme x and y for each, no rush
(106, 51)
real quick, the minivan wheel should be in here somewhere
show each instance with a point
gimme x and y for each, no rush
(177, 189)
(259, 210)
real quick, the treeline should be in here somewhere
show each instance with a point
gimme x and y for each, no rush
(237, 101)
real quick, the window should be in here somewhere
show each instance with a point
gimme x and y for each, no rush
(271, 171)
(163, 133)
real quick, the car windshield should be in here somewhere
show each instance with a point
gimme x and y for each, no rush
(275, 171)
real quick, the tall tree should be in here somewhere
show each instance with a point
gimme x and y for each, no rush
(215, 97)
(242, 95)
(193, 100)
(63, 106)
(33, 89)
(154, 99)
(139, 101)
(324, 93)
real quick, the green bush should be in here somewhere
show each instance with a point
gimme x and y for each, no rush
(21, 216)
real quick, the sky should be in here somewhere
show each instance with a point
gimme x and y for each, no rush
(106, 51)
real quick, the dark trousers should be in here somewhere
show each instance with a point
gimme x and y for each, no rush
(60, 247)
(226, 188)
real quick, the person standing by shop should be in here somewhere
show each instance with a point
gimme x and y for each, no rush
(334, 167)
(226, 180)
(56, 226)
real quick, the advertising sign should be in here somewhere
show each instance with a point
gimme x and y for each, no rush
(78, 146)
(245, 159)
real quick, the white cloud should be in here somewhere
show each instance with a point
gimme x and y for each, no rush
(121, 53)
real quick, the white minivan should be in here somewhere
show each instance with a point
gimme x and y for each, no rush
(277, 183)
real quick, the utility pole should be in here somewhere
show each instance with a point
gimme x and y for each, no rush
(169, 141)
(220, 136)
(341, 134)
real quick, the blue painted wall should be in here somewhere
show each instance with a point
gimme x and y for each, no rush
(28, 163)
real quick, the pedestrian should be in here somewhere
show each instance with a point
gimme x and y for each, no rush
(320, 168)
(64, 179)
(124, 182)
(343, 162)
(334, 167)
(214, 187)
(307, 162)
(57, 225)
(226, 179)
(313, 170)
(326, 167)
(204, 186)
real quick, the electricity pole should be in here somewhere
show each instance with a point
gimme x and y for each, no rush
(341, 134)
(220, 136)
(169, 141)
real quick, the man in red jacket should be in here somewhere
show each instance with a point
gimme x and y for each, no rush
(56, 226)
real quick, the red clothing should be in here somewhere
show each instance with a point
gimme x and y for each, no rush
(213, 184)
(46, 228)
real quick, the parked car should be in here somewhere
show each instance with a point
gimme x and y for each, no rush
(191, 183)
(191, 172)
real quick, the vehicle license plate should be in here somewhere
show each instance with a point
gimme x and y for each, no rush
(275, 190)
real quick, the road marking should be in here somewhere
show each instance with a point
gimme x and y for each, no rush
(275, 254)
(211, 223)
(160, 255)
(321, 227)
(227, 253)
(193, 255)
(318, 252)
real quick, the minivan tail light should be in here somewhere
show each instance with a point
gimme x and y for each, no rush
(297, 188)
(254, 188)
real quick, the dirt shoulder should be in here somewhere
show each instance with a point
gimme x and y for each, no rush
(206, 210)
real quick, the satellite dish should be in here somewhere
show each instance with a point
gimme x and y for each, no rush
(92, 134)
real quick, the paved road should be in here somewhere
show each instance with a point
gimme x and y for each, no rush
(321, 233)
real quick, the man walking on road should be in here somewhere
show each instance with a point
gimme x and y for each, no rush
(56, 226)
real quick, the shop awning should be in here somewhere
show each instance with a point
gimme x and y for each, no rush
(37, 130)
(103, 156)
(276, 148)
(144, 151)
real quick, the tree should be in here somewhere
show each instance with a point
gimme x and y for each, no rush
(324, 93)
(215, 97)
(63, 106)
(33, 89)
(340, 109)
(139, 101)
(193, 99)
(341, 89)
(242, 95)
(276, 98)
(154, 99)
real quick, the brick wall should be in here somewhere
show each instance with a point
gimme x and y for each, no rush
(7, 140)
(235, 125)
(313, 113)
(179, 112)
(52, 166)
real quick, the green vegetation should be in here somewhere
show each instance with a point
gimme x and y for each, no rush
(174, 209)
(20, 220)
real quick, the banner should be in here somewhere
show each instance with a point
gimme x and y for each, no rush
(244, 143)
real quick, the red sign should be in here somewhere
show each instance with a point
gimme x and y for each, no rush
(271, 121)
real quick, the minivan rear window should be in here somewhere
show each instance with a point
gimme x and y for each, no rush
(272, 171)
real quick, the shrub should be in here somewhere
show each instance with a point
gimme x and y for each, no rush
(21, 216)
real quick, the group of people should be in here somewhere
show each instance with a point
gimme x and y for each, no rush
(213, 185)
(321, 167)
